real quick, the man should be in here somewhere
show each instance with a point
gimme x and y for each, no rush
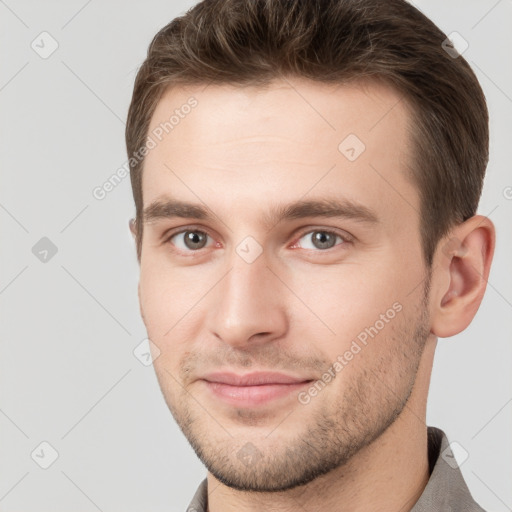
(306, 178)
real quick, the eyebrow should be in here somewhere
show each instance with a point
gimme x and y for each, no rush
(168, 208)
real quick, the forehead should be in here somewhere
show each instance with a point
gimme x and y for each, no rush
(243, 146)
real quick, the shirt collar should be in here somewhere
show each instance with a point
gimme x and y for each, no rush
(446, 488)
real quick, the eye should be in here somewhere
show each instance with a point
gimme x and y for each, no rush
(189, 240)
(193, 240)
(322, 239)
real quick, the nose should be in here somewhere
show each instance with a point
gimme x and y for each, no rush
(248, 306)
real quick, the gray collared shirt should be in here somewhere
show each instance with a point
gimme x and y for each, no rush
(445, 491)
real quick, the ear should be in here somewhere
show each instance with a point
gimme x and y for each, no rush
(140, 305)
(462, 263)
(133, 228)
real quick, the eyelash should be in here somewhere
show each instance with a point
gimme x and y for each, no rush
(346, 239)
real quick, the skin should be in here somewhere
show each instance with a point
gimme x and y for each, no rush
(299, 306)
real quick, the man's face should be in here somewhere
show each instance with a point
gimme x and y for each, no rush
(243, 292)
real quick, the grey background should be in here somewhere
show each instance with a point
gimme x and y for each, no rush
(70, 324)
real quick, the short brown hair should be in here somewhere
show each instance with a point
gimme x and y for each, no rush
(252, 42)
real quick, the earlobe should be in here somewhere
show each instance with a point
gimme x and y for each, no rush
(462, 264)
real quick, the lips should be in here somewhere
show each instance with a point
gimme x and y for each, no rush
(253, 379)
(252, 389)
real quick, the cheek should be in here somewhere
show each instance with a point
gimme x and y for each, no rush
(165, 294)
(346, 300)
(169, 305)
